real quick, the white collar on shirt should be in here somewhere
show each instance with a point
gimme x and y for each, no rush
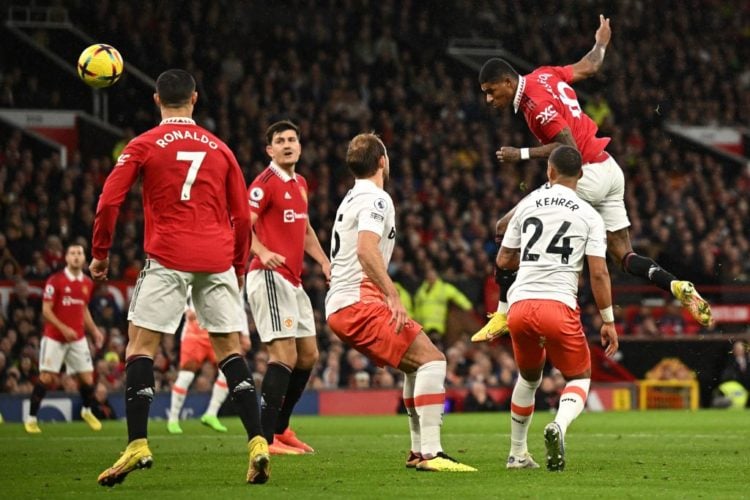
(177, 120)
(73, 277)
(519, 92)
(281, 173)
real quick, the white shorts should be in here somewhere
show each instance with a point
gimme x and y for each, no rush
(603, 186)
(75, 355)
(280, 309)
(160, 295)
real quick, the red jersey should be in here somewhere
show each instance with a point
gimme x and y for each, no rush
(70, 296)
(195, 214)
(550, 104)
(281, 204)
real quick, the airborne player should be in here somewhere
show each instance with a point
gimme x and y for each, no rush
(551, 109)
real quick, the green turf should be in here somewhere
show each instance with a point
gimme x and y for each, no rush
(612, 455)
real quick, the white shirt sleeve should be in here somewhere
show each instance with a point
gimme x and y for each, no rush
(596, 243)
(371, 216)
(512, 237)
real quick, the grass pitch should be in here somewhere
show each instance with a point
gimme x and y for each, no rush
(665, 454)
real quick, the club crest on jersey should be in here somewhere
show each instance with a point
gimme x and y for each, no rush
(546, 115)
(380, 204)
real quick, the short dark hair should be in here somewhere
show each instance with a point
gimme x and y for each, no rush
(566, 160)
(496, 69)
(175, 87)
(279, 127)
(363, 154)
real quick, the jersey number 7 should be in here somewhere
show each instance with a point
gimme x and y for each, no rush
(196, 160)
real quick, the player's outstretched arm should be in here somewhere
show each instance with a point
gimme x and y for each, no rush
(589, 65)
(507, 154)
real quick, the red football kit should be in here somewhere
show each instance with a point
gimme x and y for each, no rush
(550, 104)
(195, 344)
(195, 213)
(70, 296)
(281, 204)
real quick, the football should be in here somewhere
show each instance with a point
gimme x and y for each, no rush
(100, 65)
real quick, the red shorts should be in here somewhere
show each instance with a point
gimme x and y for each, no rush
(367, 327)
(540, 327)
(198, 349)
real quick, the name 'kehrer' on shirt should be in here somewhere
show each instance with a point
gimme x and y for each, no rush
(560, 202)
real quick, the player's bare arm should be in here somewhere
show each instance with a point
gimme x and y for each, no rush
(509, 258)
(601, 288)
(372, 264)
(269, 259)
(589, 65)
(90, 326)
(314, 250)
(509, 154)
(50, 316)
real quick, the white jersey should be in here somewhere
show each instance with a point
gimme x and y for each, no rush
(365, 207)
(554, 229)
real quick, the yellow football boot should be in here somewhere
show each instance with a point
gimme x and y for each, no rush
(260, 461)
(136, 456)
(685, 292)
(497, 326)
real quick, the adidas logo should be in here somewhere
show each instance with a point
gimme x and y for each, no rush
(148, 392)
(243, 386)
(287, 196)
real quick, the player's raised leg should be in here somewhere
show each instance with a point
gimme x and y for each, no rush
(497, 324)
(139, 392)
(218, 395)
(619, 246)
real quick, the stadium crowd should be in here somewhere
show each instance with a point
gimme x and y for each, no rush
(337, 70)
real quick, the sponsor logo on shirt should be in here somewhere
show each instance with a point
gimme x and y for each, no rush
(290, 215)
(67, 300)
(546, 115)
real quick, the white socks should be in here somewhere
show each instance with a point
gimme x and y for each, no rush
(179, 391)
(429, 402)
(218, 395)
(572, 402)
(414, 428)
(502, 307)
(521, 412)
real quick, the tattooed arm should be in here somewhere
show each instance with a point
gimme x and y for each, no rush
(591, 62)
(512, 155)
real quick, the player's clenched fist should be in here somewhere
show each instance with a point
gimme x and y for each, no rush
(508, 154)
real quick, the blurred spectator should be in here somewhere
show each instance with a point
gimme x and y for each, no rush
(431, 303)
(737, 367)
(101, 407)
(477, 399)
